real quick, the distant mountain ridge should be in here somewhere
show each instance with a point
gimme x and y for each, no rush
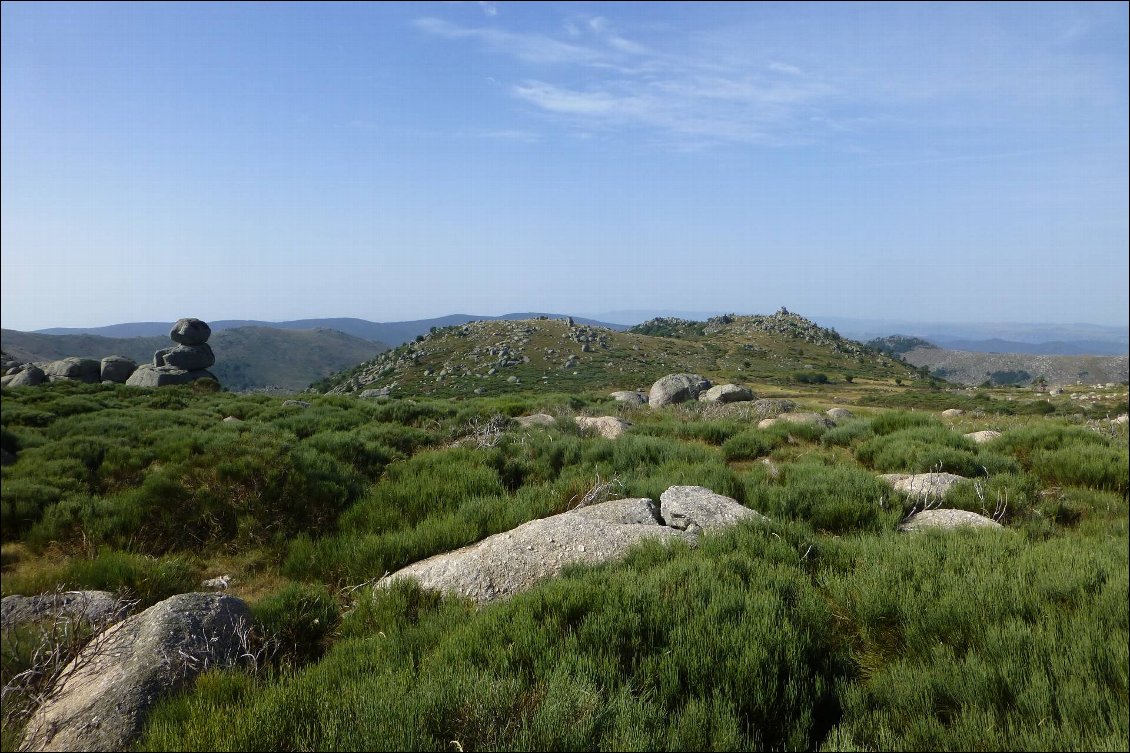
(386, 333)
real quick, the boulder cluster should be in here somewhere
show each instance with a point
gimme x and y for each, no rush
(184, 362)
(110, 370)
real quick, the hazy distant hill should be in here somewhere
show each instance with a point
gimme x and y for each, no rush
(967, 367)
(246, 357)
(386, 333)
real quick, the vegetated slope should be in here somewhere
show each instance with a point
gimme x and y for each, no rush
(246, 357)
(898, 344)
(491, 357)
(967, 367)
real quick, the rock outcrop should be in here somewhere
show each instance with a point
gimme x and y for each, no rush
(508, 563)
(30, 376)
(107, 691)
(74, 369)
(676, 388)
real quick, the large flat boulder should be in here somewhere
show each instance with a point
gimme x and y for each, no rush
(696, 508)
(946, 519)
(105, 694)
(147, 375)
(508, 563)
(676, 388)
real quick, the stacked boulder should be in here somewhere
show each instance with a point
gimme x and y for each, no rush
(184, 362)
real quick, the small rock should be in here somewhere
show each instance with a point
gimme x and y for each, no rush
(726, 393)
(981, 437)
(946, 519)
(953, 412)
(609, 427)
(537, 419)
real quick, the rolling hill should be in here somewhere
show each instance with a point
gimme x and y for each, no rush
(500, 356)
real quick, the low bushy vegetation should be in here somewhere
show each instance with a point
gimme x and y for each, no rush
(822, 629)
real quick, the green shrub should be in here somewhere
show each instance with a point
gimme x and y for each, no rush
(1003, 497)
(930, 448)
(750, 444)
(1094, 466)
(846, 433)
(888, 423)
(830, 498)
(148, 579)
(299, 619)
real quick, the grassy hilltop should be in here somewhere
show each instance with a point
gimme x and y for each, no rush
(824, 629)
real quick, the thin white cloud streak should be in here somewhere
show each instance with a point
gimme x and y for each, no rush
(685, 103)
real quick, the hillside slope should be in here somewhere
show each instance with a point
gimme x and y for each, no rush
(247, 358)
(493, 357)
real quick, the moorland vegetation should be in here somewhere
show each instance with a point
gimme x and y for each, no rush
(823, 629)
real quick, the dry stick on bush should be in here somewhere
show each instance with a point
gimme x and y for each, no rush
(600, 492)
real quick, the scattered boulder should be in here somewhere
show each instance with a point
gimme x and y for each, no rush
(676, 388)
(608, 427)
(117, 369)
(839, 414)
(816, 419)
(946, 519)
(981, 437)
(190, 332)
(922, 485)
(94, 607)
(537, 419)
(953, 412)
(696, 508)
(29, 377)
(631, 397)
(77, 369)
(107, 691)
(232, 420)
(773, 406)
(726, 393)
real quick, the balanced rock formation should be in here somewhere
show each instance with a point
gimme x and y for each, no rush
(946, 519)
(185, 362)
(508, 563)
(676, 388)
(107, 691)
(726, 393)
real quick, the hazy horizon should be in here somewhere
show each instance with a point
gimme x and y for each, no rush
(392, 162)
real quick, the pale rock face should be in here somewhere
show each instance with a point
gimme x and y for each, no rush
(839, 414)
(690, 507)
(629, 396)
(117, 369)
(536, 419)
(953, 412)
(609, 427)
(981, 437)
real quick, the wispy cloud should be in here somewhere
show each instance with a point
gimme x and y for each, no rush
(597, 79)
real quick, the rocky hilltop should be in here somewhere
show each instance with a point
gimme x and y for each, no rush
(491, 357)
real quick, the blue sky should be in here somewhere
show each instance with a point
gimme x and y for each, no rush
(954, 162)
